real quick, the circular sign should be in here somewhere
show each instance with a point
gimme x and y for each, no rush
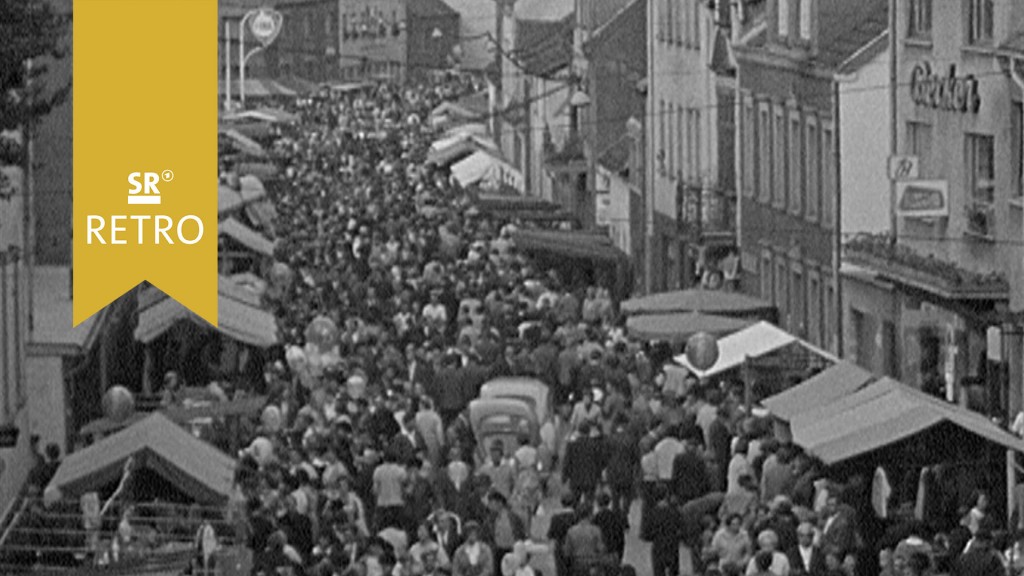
(266, 25)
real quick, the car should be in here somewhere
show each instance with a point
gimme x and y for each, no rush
(530, 391)
(536, 396)
(502, 420)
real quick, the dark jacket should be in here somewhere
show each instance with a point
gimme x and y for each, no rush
(690, 478)
(613, 527)
(978, 562)
(623, 460)
(584, 461)
(796, 563)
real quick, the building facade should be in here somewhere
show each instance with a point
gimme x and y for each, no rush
(615, 63)
(954, 268)
(690, 164)
(788, 51)
(307, 46)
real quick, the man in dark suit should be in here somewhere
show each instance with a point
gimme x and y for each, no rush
(561, 521)
(980, 559)
(840, 530)
(613, 524)
(806, 559)
(690, 478)
(666, 533)
(585, 460)
(408, 444)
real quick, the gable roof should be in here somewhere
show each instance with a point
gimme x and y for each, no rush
(878, 45)
(157, 443)
(847, 27)
(544, 47)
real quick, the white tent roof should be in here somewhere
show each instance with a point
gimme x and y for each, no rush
(490, 172)
(753, 342)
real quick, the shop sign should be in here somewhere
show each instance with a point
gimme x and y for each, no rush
(922, 198)
(944, 92)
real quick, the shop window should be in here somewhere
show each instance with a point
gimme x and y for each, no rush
(814, 323)
(980, 184)
(919, 143)
(979, 21)
(781, 292)
(766, 277)
(798, 298)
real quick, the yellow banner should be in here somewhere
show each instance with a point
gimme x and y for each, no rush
(145, 151)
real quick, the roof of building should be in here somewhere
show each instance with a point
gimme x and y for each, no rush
(849, 27)
(601, 32)
(616, 156)
(544, 47)
(429, 8)
(631, 18)
(877, 45)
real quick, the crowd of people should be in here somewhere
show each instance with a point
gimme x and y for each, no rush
(371, 466)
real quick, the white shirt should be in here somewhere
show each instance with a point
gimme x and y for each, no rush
(805, 555)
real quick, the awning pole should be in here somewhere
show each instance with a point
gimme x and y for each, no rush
(1011, 485)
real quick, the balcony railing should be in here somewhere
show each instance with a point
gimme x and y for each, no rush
(926, 272)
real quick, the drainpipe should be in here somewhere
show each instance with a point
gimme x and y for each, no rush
(1012, 347)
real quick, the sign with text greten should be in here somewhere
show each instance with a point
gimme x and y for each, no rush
(145, 152)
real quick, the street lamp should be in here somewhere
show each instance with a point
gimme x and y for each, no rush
(266, 25)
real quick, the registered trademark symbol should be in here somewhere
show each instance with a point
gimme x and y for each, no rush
(167, 175)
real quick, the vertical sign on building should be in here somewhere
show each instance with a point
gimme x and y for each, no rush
(145, 152)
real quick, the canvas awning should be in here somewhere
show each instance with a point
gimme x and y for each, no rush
(677, 328)
(156, 443)
(753, 342)
(246, 236)
(513, 203)
(454, 148)
(260, 170)
(252, 188)
(243, 143)
(488, 171)
(246, 406)
(238, 320)
(272, 115)
(881, 414)
(829, 385)
(698, 300)
(569, 244)
(228, 199)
